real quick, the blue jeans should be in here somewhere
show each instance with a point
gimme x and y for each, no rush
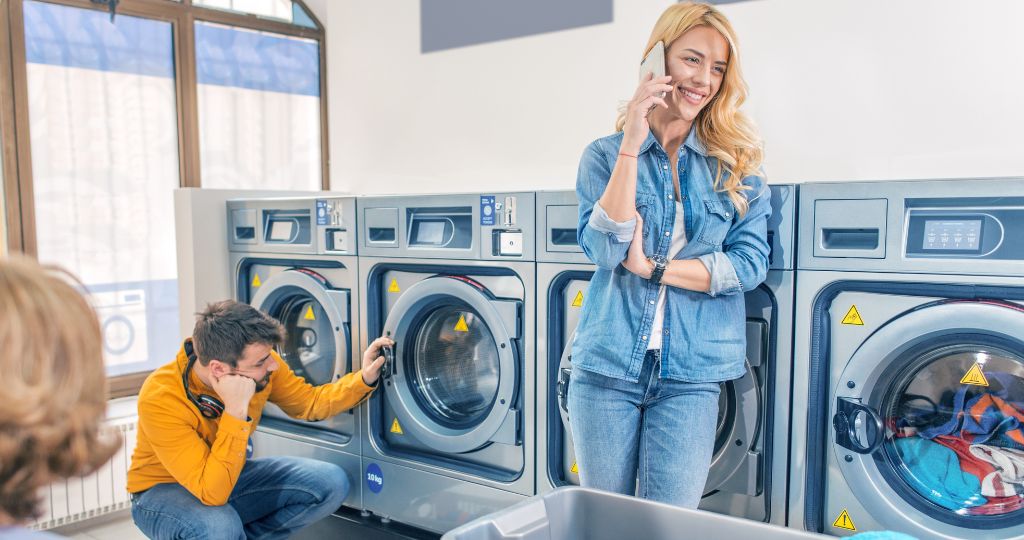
(273, 498)
(661, 429)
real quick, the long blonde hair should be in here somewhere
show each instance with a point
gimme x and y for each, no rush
(55, 386)
(727, 133)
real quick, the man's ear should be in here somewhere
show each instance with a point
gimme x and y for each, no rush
(218, 369)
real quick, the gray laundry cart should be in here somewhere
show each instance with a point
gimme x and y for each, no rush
(572, 512)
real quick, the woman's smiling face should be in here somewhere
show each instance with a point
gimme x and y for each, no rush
(697, 62)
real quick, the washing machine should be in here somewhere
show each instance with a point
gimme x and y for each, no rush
(748, 471)
(122, 315)
(451, 278)
(909, 357)
(295, 259)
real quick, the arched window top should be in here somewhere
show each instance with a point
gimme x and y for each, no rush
(279, 10)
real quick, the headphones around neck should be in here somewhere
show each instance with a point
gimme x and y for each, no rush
(208, 406)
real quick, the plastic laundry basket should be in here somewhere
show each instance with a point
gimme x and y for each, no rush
(573, 512)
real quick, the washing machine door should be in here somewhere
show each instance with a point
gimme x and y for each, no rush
(928, 417)
(735, 464)
(455, 377)
(315, 317)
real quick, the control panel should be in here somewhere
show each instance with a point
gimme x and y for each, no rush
(486, 226)
(963, 233)
(299, 225)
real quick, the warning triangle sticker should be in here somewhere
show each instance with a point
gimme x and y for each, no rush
(853, 317)
(574, 469)
(974, 376)
(256, 280)
(844, 522)
(461, 325)
(394, 286)
(395, 428)
(578, 301)
(309, 314)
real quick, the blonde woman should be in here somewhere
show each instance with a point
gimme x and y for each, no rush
(674, 214)
(55, 389)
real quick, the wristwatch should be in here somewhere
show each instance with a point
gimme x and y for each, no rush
(660, 263)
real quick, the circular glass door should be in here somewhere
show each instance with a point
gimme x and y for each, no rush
(308, 346)
(455, 365)
(926, 419)
(315, 331)
(954, 438)
(454, 386)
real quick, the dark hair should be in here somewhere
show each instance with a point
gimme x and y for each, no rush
(224, 329)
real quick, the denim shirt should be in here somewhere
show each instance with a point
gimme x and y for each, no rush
(705, 332)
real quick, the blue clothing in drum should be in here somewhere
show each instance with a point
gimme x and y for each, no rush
(704, 332)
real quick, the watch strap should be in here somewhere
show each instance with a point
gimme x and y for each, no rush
(659, 271)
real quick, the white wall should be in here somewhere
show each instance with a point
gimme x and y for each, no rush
(842, 90)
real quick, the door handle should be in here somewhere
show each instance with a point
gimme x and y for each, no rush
(562, 389)
(845, 424)
(388, 368)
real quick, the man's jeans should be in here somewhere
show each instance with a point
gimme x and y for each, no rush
(274, 497)
(661, 429)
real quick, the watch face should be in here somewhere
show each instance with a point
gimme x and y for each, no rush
(659, 260)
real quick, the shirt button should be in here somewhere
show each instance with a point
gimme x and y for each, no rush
(643, 338)
(668, 197)
(664, 167)
(668, 233)
(652, 302)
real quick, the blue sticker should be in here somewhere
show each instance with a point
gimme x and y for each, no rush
(487, 210)
(374, 478)
(321, 212)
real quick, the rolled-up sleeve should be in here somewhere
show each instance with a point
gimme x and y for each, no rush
(743, 262)
(604, 240)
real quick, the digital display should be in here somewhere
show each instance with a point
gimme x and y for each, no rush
(956, 235)
(281, 231)
(430, 232)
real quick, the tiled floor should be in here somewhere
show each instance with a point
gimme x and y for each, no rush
(116, 526)
(119, 526)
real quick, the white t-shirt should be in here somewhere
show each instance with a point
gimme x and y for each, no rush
(678, 242)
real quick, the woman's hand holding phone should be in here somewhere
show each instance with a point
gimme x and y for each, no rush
(647, 97)
(649, 94)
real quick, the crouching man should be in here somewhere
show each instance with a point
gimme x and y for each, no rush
(192, 475)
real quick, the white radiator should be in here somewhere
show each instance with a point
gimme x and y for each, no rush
(102, 492)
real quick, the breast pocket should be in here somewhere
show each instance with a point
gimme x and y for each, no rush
(718, 216)
(646, 206)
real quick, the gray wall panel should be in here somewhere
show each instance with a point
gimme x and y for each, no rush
(447, 24)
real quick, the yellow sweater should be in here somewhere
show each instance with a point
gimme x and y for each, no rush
(178, 444)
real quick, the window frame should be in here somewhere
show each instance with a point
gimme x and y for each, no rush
(15, 140)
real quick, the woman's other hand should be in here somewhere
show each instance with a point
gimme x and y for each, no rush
(648, 95)
(636, 260)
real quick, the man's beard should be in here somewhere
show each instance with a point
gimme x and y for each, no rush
(260, 385)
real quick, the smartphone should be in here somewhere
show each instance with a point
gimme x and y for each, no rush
(654, 63)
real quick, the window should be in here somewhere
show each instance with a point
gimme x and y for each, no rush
(259, 109)
(103, 118)
(284, 10)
